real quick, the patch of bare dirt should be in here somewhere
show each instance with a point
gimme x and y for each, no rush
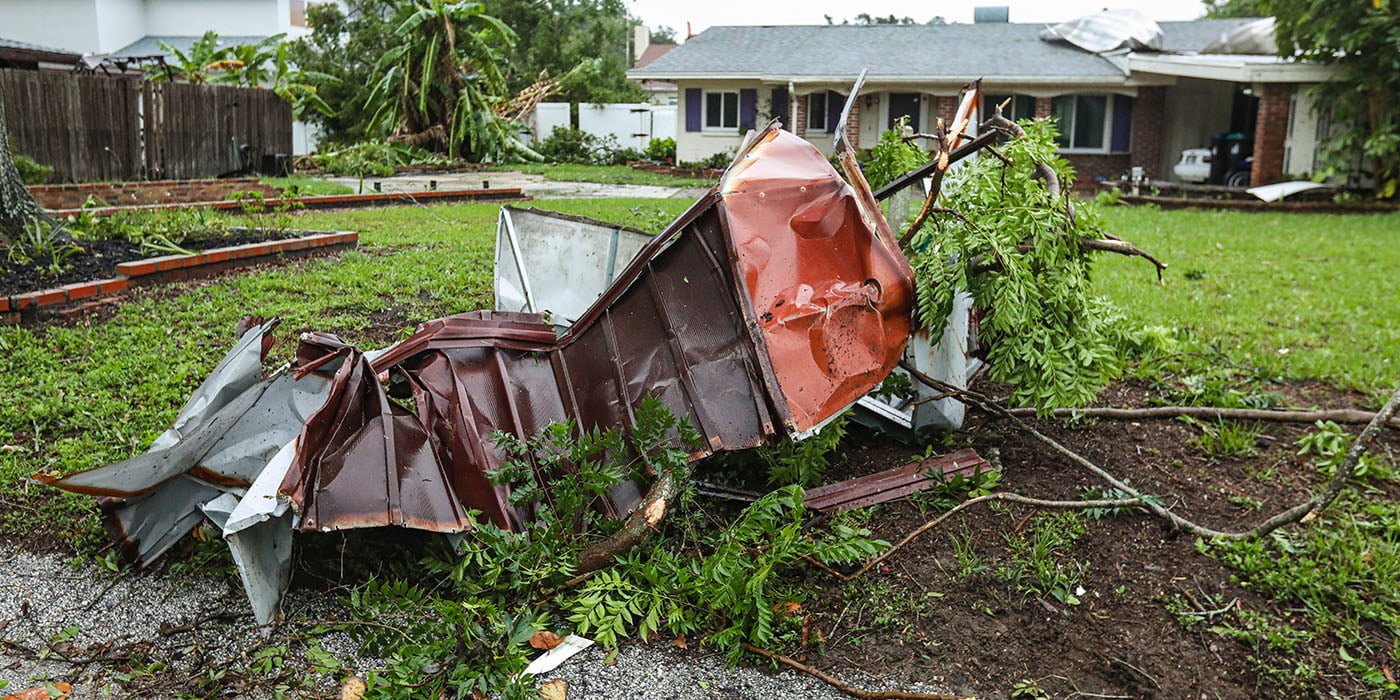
(983, 637)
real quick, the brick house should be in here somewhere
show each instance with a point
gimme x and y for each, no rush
(1116, 110)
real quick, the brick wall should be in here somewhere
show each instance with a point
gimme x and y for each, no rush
(853, 127)
(1149, 128)
(945, 107)
(799, 116)
(1042, 107)
(1270, 130)
(153, 192)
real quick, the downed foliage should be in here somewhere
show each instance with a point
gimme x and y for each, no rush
(724, 583)
(1008, 237)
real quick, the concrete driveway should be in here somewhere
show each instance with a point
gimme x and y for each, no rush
(533, 185)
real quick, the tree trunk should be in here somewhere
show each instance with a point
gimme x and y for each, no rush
(18, 210)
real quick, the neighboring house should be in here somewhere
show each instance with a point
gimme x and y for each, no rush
(131, 27)
(1116, 110)
(20, 55)
(659, 92)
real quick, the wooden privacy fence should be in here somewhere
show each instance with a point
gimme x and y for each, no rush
(101, 128)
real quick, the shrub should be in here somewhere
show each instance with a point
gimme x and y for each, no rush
(31, 172)
(661, 150)
(568, 145)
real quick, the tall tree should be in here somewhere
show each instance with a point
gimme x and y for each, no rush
(18, 210)
(1221, 9)
(338, 58)
(1363, 40)
(440, 84)
(583, 43)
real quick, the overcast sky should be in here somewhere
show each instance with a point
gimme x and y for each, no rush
(707, 13)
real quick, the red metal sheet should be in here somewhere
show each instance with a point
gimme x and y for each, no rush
(894, 483)
(825, 277)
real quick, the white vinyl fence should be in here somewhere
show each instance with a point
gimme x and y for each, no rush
(633, 125)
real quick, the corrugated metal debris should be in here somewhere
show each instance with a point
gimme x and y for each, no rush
(769, 307)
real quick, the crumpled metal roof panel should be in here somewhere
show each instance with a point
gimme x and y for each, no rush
(830, 288)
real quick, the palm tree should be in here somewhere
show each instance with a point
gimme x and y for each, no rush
(443, 78)
(195, 66)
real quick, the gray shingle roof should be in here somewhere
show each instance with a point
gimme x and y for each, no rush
(150, 45)
(950, 51)
(26, 46)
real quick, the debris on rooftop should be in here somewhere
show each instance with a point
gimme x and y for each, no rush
(1108, 30)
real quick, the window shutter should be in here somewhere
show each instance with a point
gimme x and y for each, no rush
(834, 103)
(692, 109)
(748, 109)
(780, 106)
(1122, 124)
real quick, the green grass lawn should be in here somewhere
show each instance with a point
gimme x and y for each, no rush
(605, 174)
(307, 186)
(1313, 296)
(73, 397)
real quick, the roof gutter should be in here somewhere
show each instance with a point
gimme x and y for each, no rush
(876, 80)
(1241, 69)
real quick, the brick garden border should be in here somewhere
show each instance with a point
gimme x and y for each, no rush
(76, 299)
(327, 201)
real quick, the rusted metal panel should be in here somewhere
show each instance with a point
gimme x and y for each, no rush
(894, 483)
(767, 308)
(834, 296)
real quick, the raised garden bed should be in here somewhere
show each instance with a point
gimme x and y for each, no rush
(74, 196)
(328, 201)
(703, 173)
(109, 267)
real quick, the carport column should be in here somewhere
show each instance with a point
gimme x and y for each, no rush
(1149, 117)
(1270, 130)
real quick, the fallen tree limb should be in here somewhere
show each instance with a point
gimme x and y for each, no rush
(1109, 245)
(999, 496)
(846, 688)
(643, 521)
(1340, 415)
(1303, 512)
(1123, 247)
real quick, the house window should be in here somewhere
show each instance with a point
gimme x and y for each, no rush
(298, 8)
(721, 110)
(1083, 121)
(1020, 107)
(816, 111)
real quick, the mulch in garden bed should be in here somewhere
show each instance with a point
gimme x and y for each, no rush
(98, 260)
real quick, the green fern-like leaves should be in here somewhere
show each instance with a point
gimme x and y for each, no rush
(1016, 249)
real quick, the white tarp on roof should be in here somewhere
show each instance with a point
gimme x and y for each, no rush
(1255, 39)
(1108, 30)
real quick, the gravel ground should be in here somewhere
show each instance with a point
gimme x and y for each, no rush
(102, 621)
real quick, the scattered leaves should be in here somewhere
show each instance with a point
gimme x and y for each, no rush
(556, 689)
(353, 689)
(545, 640)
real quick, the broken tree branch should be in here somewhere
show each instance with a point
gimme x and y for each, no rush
(844, 687)
(1113, 245)
(1122, 247)
(645, 520)
(1337, 415)
(999, 496)
(1303, 512)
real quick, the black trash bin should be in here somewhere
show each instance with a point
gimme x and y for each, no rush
(276, 165)
(1230, 159)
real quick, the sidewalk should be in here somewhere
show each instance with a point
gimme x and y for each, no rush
(532, 185)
